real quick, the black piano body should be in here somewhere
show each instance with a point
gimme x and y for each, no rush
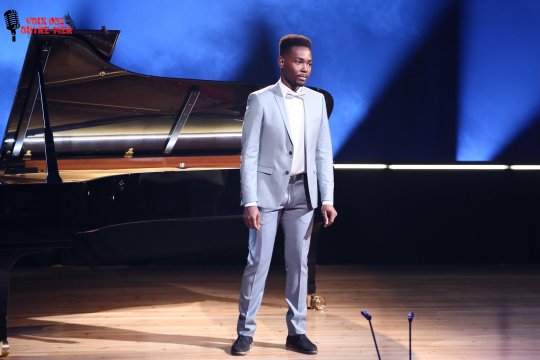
(90, 146)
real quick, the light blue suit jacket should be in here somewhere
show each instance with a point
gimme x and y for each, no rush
(267, 148)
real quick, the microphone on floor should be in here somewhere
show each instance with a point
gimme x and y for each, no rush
(367, 316)
(411, 317)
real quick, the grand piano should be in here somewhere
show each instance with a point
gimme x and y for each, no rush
(90, 146)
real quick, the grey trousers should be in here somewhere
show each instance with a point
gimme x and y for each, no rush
(296, 218)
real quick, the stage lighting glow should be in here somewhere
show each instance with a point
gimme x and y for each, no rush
(448, 167)
(359, 166)
(386, 33)
(500, 86)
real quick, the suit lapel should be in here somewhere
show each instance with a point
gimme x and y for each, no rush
(281, 105)
(307, 116)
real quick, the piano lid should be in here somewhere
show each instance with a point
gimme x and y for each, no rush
(97, 109)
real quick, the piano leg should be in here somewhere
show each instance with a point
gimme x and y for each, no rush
(7, 259)
(314, 301)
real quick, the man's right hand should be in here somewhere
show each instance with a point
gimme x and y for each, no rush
(252, 217)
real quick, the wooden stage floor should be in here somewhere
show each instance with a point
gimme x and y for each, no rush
(462, 312)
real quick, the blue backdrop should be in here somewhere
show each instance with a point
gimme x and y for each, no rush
(412, 80)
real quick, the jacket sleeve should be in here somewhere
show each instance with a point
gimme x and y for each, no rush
(251, 135)
(324, 158)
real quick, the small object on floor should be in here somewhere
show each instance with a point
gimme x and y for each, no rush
(316, 302)
(5, 348)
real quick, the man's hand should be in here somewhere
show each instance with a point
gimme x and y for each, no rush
(329, 214)
(252, 217)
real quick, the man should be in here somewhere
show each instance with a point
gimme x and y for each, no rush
(286, 155)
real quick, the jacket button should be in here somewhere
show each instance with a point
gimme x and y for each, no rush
(286, 173)
(290, 152)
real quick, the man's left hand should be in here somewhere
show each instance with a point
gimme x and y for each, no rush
(329, 214)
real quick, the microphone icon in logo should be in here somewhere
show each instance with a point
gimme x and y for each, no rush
(12, 22)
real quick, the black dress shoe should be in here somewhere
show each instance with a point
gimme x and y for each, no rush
(301, 344)
(242, 345)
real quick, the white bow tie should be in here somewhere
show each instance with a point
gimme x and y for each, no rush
(291, 95)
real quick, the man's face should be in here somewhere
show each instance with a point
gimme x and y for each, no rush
(295, 66)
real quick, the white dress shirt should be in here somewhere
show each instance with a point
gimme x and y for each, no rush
(295, 112)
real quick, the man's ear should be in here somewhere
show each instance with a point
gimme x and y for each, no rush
(281, 62)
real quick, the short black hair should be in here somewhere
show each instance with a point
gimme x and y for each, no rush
(288, 41)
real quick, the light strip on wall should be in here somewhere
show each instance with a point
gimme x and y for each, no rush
(360, 166)
(525, 167)
(33, 140)
(449, 167)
